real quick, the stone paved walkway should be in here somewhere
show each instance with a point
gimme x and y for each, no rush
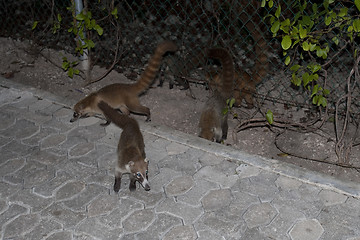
(56, 181)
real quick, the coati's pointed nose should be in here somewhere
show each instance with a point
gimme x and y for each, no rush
(147, 187)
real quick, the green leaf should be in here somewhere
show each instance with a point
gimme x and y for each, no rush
(306, 46)
(71, 72)
(314, 7)
(271, 3)
(356, 25)
(306, 79)
(328, 20)
(287, 60)
(275, 27)
(263, 2)
(270, 117)
(296, 80)
(99, 30)
(357, 4)
(34, 25)
(59, 17)
(114, 12)
(326, 92)
(295, 67)
(315, 90)
(336, 40)
(80, 17)
(278, 12)
(286, 42)
(343, 12)
(303, 32)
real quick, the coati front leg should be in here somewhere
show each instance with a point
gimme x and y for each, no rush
(117, 183)
(132, 186)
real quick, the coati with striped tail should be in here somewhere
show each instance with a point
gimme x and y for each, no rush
(130, 151)
(124, 96)
(213, 122)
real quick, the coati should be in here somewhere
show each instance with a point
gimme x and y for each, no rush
(213, 122)
(131, 149)
(124, 96)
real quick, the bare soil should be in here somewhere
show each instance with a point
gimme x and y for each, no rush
(24, 63)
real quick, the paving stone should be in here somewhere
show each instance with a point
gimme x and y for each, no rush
(11, 213)
(246, 171)
(69, 190)
(18, 149)
(63, 235)
(11, 166)
(35, 117)
(47, 189)
(4, 141)
(180, 162)
(7, 190)
(181, 232)
(46, 158)
(331, 198)
(80, 201)
(308, 229)
(53, 141)
(81, 149)
(50, 110)
(163, 178)
(176, 148)
(38, 177)
(63, 113)
(266, 192)
(216, 199)
(209, 235)
(144, 216)
(121, 211)
(148, 198)
(210, 221)
(40, 104)
(279, 227)
(76, 168)
(197, 192)
(60, 126)
(21, 129)
(35, 139)
(212, 174)
(259, 215)
(27, 198)
(208, 159)
(286, 183)
(89, 133)
(61, 214)
(21, 225)
(159, 227)
(6, 121)
(104, 204)
(179, 186)
(188, 213)
(44, 228)
(3, 205)
(94, 228)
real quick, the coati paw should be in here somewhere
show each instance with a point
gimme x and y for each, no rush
(148, 119)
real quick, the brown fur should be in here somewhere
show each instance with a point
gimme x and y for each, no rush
(124, 96)
(213, 122)
(131, 149)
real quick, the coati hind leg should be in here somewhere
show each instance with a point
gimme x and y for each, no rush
(136, 107)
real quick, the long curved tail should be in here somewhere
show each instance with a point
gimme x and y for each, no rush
(227, 69)
(153, 65)
(121, 120)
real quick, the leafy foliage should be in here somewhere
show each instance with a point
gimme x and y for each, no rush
(309, 33)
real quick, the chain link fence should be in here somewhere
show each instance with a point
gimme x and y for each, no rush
(193, 25)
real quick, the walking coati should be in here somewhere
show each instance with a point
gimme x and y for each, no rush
(130, 151)
(124, 96)
(213, 122)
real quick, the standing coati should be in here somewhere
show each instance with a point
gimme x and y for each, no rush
(124, 96)
(213, 122)
(131, 149)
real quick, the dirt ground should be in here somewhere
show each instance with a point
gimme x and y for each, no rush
(177, 109)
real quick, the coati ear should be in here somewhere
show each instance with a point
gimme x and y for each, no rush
(131, 163)
(145, 160)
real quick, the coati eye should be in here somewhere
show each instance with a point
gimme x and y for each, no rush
(138, 174)
(75, 114)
